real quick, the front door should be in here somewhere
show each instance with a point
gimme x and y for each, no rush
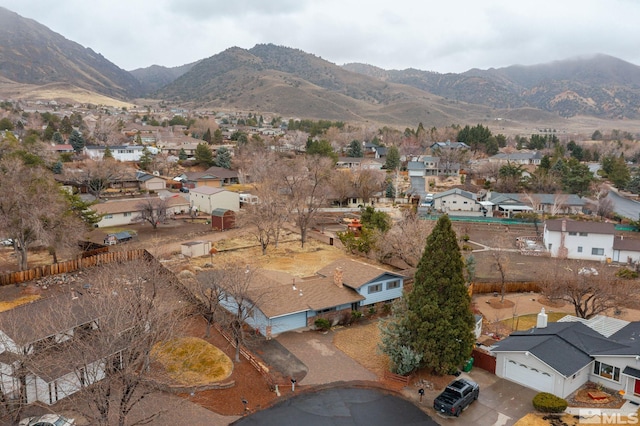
(636, 388)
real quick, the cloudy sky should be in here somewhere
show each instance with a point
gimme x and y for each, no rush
(442, 36)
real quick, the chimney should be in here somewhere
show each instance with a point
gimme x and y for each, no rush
(337, 277)
(564, 225)
(542, 319)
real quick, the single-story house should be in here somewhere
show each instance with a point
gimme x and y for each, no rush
(561, 357)
(150, 182)
(552, 204)
(449, 145)
(518, 157)
(124, 212)
(458, 202)
(570, 239)
(207, 199)
(359, 163)
(285, 303)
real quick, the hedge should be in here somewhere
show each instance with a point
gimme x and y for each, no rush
(549, 403)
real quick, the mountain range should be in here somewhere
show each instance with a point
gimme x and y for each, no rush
(290, 82)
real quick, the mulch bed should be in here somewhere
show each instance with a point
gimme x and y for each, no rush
(606, 398)
(496, 303)
(551, 303)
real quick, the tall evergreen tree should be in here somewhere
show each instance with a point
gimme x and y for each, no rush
(207, 136)
(76, 141)
(393, 158)
(203, 154)
(438, 318)
(145, 159)
(355, 149)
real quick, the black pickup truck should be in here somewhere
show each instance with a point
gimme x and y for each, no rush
(457, 396)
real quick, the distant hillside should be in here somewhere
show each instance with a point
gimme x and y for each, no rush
(600, 86)
(155, 77)
(33, 54)
(291, 82)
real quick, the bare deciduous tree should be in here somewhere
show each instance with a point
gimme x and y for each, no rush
(152, 210)
(95, 341)
(305, 184)
(405, 240)
(367, 182)
(97, 176)
(33, 209)
(240, 297)
(588, 292)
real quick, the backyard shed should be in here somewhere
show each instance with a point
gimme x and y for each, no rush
(223, 219)
(195, 248)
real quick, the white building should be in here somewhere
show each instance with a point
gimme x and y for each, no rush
(570, 239)
(207, 198)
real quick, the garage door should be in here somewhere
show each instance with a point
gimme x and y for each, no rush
(529, 376)
(288, 322)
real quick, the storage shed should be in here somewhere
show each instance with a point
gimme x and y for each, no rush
(195, 248)
(223, 219)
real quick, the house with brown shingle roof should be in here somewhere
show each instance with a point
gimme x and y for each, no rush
(284, 302)
(125, 212)
(572, 239)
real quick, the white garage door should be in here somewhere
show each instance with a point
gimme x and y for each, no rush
(529, 376)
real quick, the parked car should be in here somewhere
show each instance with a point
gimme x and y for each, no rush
(7, 242)
(184, 189)
(47, 420)
(457, 396)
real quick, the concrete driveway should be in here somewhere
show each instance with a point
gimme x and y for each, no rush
(501, 403)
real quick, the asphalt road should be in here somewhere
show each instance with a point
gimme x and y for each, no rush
(624, 207)
(341, 406)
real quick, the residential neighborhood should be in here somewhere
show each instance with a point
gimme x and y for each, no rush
(287, 243)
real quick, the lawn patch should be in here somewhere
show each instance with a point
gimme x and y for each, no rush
(525, 322)
(192, 361)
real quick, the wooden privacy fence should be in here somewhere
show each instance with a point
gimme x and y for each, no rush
(484, 360)
(255, 362)
(70, 266)
(397, 378)
(510, 287)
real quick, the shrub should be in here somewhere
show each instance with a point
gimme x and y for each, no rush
(626, 273)
(322, 324)
(356, 315)
(372, 310)
(549, 403)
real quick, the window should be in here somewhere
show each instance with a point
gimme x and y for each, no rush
(579, 249)
(583, 234)
(597, 251)
(375, 288)
(393, 284)
(108, 216)
(607, 371)
(573, 233)
(127, 214)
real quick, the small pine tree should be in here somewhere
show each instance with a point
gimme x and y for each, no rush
(145, 159)
(355, 149)
(58, 139)
(107, 155)
(223, 158)
(203, 154)
(393, 158)
(182, 155)
(207, 136)
(76, 141)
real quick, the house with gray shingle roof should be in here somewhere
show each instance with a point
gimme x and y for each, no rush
(458, 202)
(561, 357)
